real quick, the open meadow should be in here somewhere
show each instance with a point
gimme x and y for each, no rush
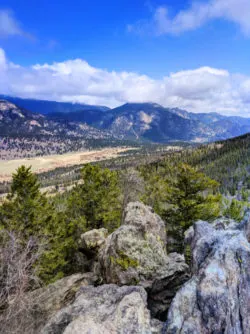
(46, 163)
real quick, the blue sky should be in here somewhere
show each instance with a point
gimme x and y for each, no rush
(187, 54)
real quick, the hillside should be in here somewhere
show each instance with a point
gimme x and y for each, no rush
(227, 161)
(25, 134)
(151, 122)
(223, 126)
(45, 107)
(18, 121)
(143, 122)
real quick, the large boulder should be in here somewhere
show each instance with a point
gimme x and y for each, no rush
(51, 298)
(89, 245)
(105, 309)
(136, 251)
(217, 298)
(93, 240)
(136, 254)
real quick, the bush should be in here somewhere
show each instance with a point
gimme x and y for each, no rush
(17, 276)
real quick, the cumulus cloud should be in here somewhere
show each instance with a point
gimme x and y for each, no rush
(200, 90)
(198, 14)
(9, 26)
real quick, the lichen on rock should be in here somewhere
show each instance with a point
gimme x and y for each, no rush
(136, 254)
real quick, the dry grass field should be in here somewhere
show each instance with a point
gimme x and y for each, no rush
(46, 163)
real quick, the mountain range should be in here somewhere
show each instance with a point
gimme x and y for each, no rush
(148, 122)
(16, 121)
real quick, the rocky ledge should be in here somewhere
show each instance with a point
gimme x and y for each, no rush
(136, 287)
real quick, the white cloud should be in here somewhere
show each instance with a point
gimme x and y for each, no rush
(9, 26)
(198, 14)
(200, 90)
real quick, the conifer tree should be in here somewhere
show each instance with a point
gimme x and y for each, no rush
(192, 196)
(98, 199)
(28, 213)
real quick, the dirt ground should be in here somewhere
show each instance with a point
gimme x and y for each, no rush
(45, 163)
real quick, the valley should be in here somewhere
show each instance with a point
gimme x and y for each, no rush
(125, 167)
(113, 200)
(50, 162)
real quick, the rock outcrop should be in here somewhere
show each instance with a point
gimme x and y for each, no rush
(135, 254)
(89, 245)
(93, 240)
(145, 283)
(136, 251)
(217, 298)
(48, 300)
(107, 309)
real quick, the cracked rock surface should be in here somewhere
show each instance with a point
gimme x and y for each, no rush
(217, 297)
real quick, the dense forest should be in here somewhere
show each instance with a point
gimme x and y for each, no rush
(227, 161)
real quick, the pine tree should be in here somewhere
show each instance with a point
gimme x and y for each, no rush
(28, 213)
(26, 207)
(98, 199)
(192, 196)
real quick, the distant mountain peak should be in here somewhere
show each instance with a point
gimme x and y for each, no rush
(133, 120)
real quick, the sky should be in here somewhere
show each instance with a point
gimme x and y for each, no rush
(178, 53)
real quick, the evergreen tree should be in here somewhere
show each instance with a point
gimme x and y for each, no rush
(26, 208)
(98, 200)
(181, 195)
(192, 196)
(28, 213)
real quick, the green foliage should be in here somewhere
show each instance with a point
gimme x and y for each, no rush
(178, 185)
(29, 213)
(156, 190)
(245, 194)
(192, 197)
(182, 195)
(226, 162)
(25, 207)
(235, 210)
(98, 199)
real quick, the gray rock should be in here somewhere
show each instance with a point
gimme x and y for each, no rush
(188, 235)
(164, 287)
(51, 298)
(93, 240)
(136, 254)
(89, 245)
(156, 326)
(224, 223)
(245, 225)
(217, 298)
(136, 251)
(145, 219)
(105, 309)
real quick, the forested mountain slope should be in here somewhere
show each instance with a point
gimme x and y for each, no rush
(227, 161)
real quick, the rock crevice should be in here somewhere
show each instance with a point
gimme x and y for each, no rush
(217, 298)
